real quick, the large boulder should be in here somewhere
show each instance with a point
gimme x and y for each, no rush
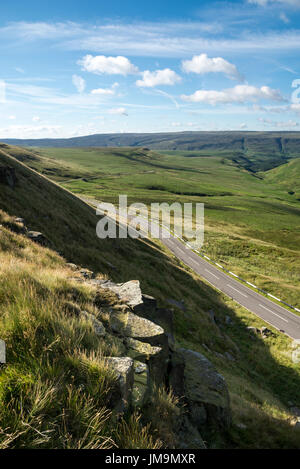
(132, 326)
(123, 369)
(206, 392)
(38, 237)
(129, 292)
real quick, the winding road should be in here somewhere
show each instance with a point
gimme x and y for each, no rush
(272, 313)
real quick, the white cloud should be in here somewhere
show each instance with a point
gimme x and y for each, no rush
(79, 83)
(103, 91)
(202, 64)
(118, 111)
(159, 77)
(238, 94)
(110, 65)
(12, 117)
(294, 3)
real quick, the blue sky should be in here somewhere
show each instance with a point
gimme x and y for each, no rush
(76, 68)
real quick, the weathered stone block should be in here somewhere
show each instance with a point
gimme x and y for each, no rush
(141, 385)
(121, 393)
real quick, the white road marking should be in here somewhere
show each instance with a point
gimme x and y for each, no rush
(251, 284)
(212, 274)
(233, 274)
(275, 298)
(283, 319)
(228, 285)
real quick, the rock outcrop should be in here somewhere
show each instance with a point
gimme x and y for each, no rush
(143, 334)
(146, 331)
(38, 237)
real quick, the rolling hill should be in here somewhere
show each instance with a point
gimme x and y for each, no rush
(262, 142)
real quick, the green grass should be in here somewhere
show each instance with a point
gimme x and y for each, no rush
(251, 220)
(51, 355)
(286, 176)
(55, 388)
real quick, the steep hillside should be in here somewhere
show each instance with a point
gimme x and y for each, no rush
(250, 225)
(42, 337)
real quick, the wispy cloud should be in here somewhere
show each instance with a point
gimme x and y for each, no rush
(79, 83)
(279, 124)
(121, 111)
(151, 39)
(284, 18)
(292, 3)
(238, 94)
(29, 131)
(51, 96)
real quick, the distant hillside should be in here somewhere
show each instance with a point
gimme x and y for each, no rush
(269, 142)
(287, 176)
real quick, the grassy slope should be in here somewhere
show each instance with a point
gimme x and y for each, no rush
(262, 379)
(54, 391)
(287, 176)
(251, 226)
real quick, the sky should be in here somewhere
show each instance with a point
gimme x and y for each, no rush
(71, 68)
